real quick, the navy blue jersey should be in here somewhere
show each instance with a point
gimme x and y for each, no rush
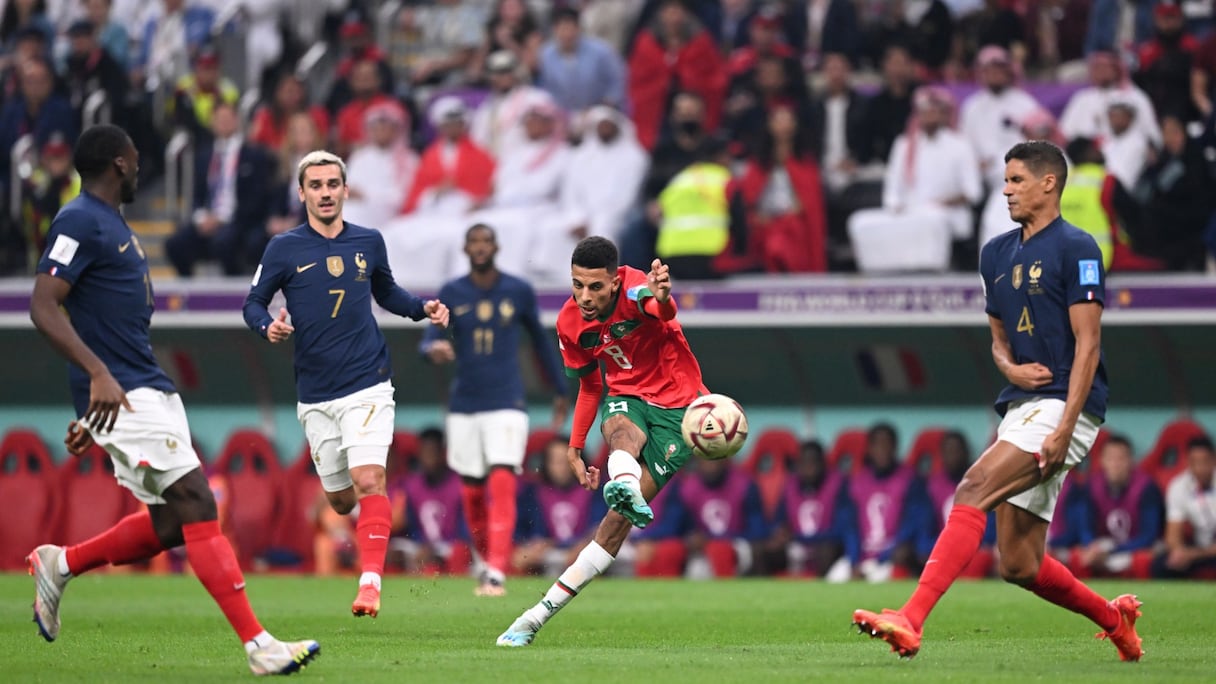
(329, 285)
(485, 327)
(91, 246)
(1029, 287)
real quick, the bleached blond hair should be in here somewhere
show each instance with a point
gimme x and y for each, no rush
(319, 158)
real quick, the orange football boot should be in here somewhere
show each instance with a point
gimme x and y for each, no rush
(367, 602)
(1124, 636)
(890, 626)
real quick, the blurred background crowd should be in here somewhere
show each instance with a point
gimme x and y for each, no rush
(868, 506)
(727, 136)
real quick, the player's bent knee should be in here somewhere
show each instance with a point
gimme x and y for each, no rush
(191, 499)
(368, 480)
(342, 502)
(1018, 571)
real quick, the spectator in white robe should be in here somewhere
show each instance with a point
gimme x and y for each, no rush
(1086, 115)
(380, 172)
(1126, 149)
(1037, 125)
(601, 185)
(932, 182)
(991, 117)
(527, 185)
(497, 125)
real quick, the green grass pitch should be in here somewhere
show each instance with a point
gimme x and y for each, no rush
(127, 628)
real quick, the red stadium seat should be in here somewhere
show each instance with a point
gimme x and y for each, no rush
(249, 462)
(768, 464)
(925, 454)
(848, 451)
(93, 501)
(403, 452)
(296, 527)
(27, 483)
(534, 452)
(1167, 458)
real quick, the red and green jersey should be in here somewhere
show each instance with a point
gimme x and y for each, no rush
(643, 356)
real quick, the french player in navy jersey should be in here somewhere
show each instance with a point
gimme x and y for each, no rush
(93, 301)
(330, 271)
(1044, 286)
(487, 425)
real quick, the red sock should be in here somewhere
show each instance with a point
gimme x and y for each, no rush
(130, 540)
(1056, 584)
(372, 532)
(215, 565)
(474, 499)
(955, 546)
(500, 538)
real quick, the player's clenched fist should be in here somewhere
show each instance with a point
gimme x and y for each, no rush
(78, 440)
(437, 311)
(279, 329)
(659, 281)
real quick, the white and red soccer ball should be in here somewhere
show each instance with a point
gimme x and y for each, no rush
(714, 426)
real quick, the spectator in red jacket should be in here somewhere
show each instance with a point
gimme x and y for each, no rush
(782, 197)
(675, 53)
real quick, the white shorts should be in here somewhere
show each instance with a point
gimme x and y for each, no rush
(480, 441)
(150, 444)
(351, 431)
(1026, 425)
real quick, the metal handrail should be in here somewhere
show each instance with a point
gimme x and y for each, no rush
(179, 175)
(384, 21)
(226, 15)
(248, 102)
(310, 59)
(18, 157)
(96, 109)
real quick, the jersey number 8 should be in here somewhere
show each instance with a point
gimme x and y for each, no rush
(618, 355)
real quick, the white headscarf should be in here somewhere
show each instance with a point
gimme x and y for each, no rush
(604, 177)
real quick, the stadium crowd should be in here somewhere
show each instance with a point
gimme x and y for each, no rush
(739, 136)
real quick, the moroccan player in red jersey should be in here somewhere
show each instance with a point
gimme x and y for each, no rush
(623, 319)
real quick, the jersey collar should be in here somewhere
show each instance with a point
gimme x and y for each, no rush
(616, 298)
(1022, 242)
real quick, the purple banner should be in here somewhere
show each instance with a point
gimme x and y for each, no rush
(810, 297)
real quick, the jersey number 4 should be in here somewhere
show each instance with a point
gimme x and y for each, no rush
(617, 354)
(1024, 323)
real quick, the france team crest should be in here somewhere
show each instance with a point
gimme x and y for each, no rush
(1088, 270)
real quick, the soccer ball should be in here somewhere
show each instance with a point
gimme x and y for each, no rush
(714, 426)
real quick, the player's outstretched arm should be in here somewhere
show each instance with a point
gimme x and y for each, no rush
(46, 311)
